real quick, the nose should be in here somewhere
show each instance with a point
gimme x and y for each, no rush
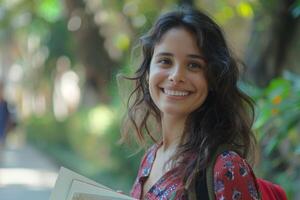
(177, 74)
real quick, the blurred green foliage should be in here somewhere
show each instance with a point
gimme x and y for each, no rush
(277, 129)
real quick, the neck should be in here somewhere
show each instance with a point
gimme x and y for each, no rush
(172, 131)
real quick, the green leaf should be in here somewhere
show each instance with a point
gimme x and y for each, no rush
(264, 115)
(273, 142)
(50, 10)
(279, 87)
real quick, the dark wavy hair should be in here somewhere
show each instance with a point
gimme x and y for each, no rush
(226, 116)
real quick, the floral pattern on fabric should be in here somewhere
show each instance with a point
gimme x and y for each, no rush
(163, 189)
(233, 179)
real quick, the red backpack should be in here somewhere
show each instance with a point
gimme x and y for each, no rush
(270, 191)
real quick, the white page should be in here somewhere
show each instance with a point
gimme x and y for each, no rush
(83, 190)
(64, 181)
(83, 196)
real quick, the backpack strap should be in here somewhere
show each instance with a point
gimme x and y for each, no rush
(198, 188)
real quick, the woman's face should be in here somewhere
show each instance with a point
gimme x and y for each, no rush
(177, 81)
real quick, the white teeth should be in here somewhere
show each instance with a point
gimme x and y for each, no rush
(175, 93)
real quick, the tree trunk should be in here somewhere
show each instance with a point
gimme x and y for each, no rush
(269, 42)
(90, 49)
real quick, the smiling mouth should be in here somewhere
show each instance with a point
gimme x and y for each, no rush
(175, 92)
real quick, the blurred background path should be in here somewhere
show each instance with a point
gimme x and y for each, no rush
(25, 173)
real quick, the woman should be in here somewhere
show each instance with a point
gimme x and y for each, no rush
(187, 82)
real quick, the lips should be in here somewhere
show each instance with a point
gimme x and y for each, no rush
(180, 93)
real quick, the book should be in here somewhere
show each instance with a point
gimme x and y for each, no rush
(70, 185)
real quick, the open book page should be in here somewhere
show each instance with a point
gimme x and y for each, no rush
(72, 186)
(83, 196)
(87, 191)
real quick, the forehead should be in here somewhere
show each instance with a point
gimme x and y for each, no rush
(178, 39)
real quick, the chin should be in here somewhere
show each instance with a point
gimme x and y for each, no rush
(174, 112)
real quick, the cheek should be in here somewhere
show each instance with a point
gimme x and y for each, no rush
(153, 83)
(156, 78)
(201, 85)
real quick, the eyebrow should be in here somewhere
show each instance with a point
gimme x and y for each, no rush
(195, 56)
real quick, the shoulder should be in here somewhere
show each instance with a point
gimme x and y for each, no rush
(228, 160)
(229, 165)
(233, 177)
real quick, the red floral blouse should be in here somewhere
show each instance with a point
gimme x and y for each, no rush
(233, 179)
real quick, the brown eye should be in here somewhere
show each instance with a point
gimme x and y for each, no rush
(165, 61)
(194, 66)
